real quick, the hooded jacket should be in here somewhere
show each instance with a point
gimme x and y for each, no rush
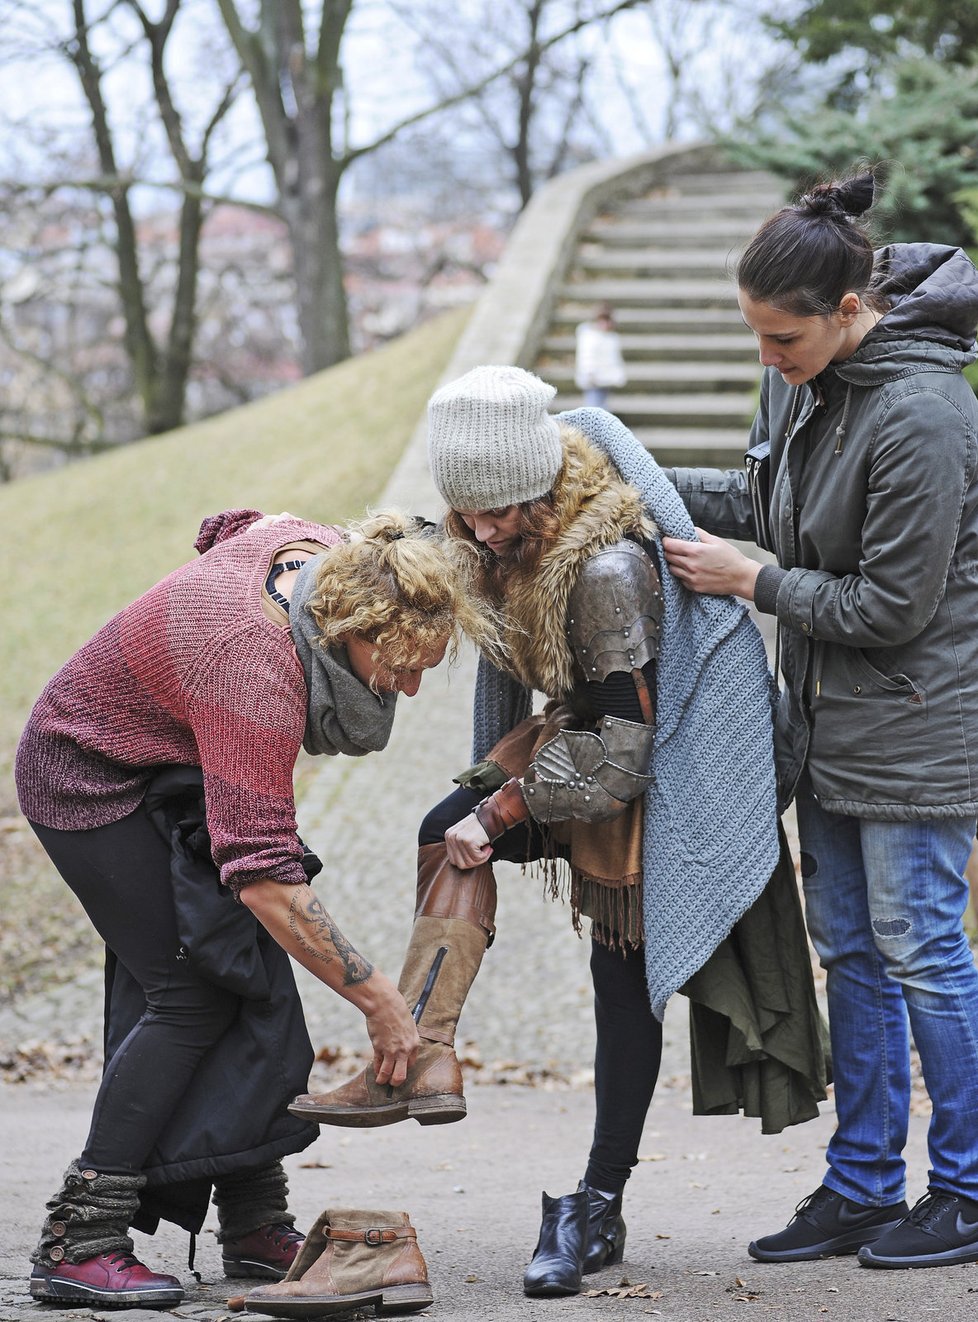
(873, 518)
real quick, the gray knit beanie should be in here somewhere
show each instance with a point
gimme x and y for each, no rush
(491, 441)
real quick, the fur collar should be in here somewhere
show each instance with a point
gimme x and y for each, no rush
(595, 508)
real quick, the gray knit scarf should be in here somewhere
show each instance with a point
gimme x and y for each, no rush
(344, 716)
(710, 842)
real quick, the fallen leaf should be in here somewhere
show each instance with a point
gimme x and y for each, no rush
(624, 1291)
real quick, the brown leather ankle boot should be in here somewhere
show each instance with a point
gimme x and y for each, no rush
(453, 926)
(351, 1259)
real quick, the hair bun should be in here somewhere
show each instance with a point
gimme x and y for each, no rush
(848, 197)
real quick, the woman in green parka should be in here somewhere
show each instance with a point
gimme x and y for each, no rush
(872, 514)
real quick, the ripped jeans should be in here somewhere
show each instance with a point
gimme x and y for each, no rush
(884, 903)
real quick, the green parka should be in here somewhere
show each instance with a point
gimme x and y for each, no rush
(873, 518)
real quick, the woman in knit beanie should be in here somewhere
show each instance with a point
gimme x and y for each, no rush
(568, 555)
(162, 751)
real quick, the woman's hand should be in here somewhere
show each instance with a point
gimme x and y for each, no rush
(711, 565)
(296, 918)
(393, 1033)
(467, 844)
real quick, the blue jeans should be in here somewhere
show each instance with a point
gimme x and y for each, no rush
(884, 903)
(596, 397)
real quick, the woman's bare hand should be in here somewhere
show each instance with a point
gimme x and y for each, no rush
(711, 565)
(467, 844)
(393, 1033)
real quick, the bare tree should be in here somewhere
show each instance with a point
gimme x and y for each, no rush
(160, 369)
(94, 190)
(298, 80)
(536, 119)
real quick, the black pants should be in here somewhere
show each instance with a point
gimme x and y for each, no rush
(628, 1049)
(121, 875)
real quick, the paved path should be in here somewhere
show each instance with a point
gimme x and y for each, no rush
(704, 1188)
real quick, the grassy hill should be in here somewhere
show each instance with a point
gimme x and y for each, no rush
(82, 541)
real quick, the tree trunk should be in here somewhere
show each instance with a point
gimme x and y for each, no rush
(294, 90)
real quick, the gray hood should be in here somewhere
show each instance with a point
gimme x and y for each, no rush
(933, 295)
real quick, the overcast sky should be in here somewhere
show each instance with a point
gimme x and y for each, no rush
(385, 74)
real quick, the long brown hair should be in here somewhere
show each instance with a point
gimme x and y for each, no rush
(538, 525)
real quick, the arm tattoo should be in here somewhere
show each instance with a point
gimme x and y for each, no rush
(315, 932)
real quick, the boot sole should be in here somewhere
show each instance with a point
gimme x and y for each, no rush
(439, 1110)
(70, 1292)
(392, 1299)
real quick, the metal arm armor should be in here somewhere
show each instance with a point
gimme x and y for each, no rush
(590, 777)
(614, 613)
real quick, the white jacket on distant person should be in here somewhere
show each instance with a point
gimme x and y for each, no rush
(598, 362)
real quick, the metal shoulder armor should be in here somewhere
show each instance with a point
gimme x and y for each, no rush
(614, 613)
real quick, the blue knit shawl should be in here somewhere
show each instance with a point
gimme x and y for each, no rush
(710, 842)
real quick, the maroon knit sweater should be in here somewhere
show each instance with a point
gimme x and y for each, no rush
(192, 673)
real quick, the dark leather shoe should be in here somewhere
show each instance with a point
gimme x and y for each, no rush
(558, 1259)
(604, 1243)
(113, 1279)
(265, 1254)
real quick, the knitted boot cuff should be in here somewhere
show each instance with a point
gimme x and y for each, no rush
(90, 1215)
(248, 1200)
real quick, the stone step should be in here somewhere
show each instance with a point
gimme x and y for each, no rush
(654, 293)
(698, 207)
(662, 378)
(673, 263)
(723, 409)
(612, 232)
(691, 321)
(695, 447)
(713, 181)
(692, 348)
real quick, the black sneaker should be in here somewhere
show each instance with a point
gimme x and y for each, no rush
(942, 1229)
(825, 1224)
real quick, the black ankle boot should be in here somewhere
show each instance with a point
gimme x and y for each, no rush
(558, 1258)
(604, 1241)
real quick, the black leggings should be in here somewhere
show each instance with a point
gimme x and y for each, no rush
(121, 875)
(628, 1049)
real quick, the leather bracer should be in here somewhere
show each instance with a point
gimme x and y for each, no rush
(614, 613)
(501, 810)
(590, 777)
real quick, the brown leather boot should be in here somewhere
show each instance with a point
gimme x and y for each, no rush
(453, 925)
(351, 1259)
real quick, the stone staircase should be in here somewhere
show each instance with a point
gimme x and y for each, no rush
(664, 262)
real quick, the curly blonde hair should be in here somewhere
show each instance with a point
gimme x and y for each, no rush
(398, 584)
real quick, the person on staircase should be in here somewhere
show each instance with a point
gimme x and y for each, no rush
(650, 771)
(599, 365)
(865, 486)
(162, 755)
